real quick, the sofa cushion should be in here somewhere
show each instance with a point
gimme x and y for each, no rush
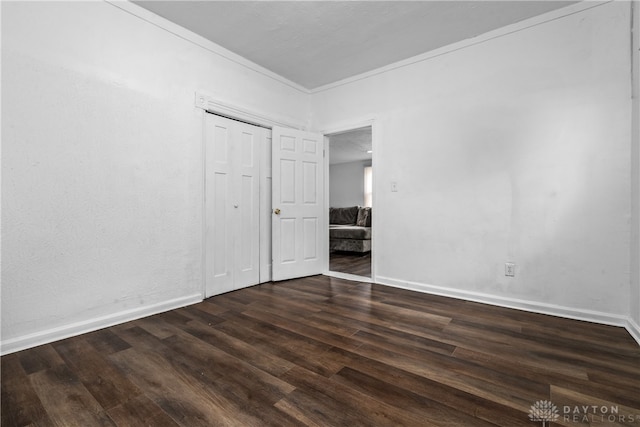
(349, 232)
(344, 216)
(364, 217)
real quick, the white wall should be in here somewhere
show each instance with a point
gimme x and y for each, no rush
(512, 149)
(635, 180)
(102, 164)
(346, 184)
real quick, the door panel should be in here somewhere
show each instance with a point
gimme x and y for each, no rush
(309, 239)
(247, 205)
(287, 182)
(232, 202)
(247, 235)
(298, 195)
(288, 240)
(265, 209)
(309, 183)
(218, 184)
(220, 265)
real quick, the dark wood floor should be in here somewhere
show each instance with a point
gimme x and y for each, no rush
(322, 351)
(350, 262)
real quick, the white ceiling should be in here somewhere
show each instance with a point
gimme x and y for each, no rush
(314, 43)
(350, 146)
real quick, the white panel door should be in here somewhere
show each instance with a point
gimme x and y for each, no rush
(232, 200)
(297, 202)
(246, 202)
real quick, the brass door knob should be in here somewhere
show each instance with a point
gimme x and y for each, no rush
(276, 211)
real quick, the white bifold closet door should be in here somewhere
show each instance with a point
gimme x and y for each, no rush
(232, 200)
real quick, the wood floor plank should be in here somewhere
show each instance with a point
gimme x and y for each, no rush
(322, 351)
(439, 306)
(296, 413)
(377, 313)
(105, 383)
(105, 341)
(39, 358)
(421, 408)
(304, 329)
(567, 352)
(482, 408)
(625, 392)
(198, 313)
(490, 384)
(502, 345)
(140, 411)
(287, 345)
(20, 403)
(233, 301)
(66, 400)
(573, 409)
(258, 383)
(155, 325)
(402, 341)
(350, 263)
(274, 301)
(189, 404)
(391, 314)
(320, 288)
(355, 407)
(240, 387)
(210, 306)
(262, 360)
(296, 313)
(291, 292)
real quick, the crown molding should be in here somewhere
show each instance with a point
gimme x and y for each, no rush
(482, 38)
(191, 37)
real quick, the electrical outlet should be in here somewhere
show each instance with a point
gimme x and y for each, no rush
(509, 269)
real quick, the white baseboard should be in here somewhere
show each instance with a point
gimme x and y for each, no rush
(54, 334)
(347, 276)
(634, 329)
(518, 304)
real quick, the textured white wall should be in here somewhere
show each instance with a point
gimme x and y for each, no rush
(635, 177)
(514, 149)
(102, 165)
(346, 184)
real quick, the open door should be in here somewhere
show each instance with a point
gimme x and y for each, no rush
(298, 203)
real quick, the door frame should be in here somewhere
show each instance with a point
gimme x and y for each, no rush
(373, 123)
(212, 105)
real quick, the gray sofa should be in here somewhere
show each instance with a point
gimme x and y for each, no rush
(350, 229)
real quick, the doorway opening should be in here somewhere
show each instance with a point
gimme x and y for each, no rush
(350, 202)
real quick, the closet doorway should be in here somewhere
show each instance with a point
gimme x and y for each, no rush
(264, 203)
(350, 201)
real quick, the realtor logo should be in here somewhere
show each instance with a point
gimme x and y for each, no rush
(543, 410)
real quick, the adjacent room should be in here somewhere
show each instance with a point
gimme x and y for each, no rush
(170, 188)
(350, 202)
